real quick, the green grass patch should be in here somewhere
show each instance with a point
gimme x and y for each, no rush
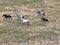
(19, 2)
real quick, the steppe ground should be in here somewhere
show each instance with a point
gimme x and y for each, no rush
(14, 32)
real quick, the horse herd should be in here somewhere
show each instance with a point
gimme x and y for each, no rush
(23, 19)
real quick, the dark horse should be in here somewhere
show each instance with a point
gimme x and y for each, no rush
(41, 13)
(44, 19)
(7, 16)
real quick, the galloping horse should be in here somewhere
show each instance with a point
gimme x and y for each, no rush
(41, 13)
(20, 17)
(44, 19)
(7, 16)
(23, 19)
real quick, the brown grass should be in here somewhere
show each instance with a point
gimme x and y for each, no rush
(16, 33)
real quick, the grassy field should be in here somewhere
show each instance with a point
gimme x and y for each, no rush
(38, 33)
(19, 2)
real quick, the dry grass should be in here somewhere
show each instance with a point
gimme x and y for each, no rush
(38, 33)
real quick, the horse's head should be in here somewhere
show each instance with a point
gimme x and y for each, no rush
(43, 18)
(4, 15)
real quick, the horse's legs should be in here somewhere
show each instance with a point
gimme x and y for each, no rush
(4, 18)
(10, 18)
(28, 23)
